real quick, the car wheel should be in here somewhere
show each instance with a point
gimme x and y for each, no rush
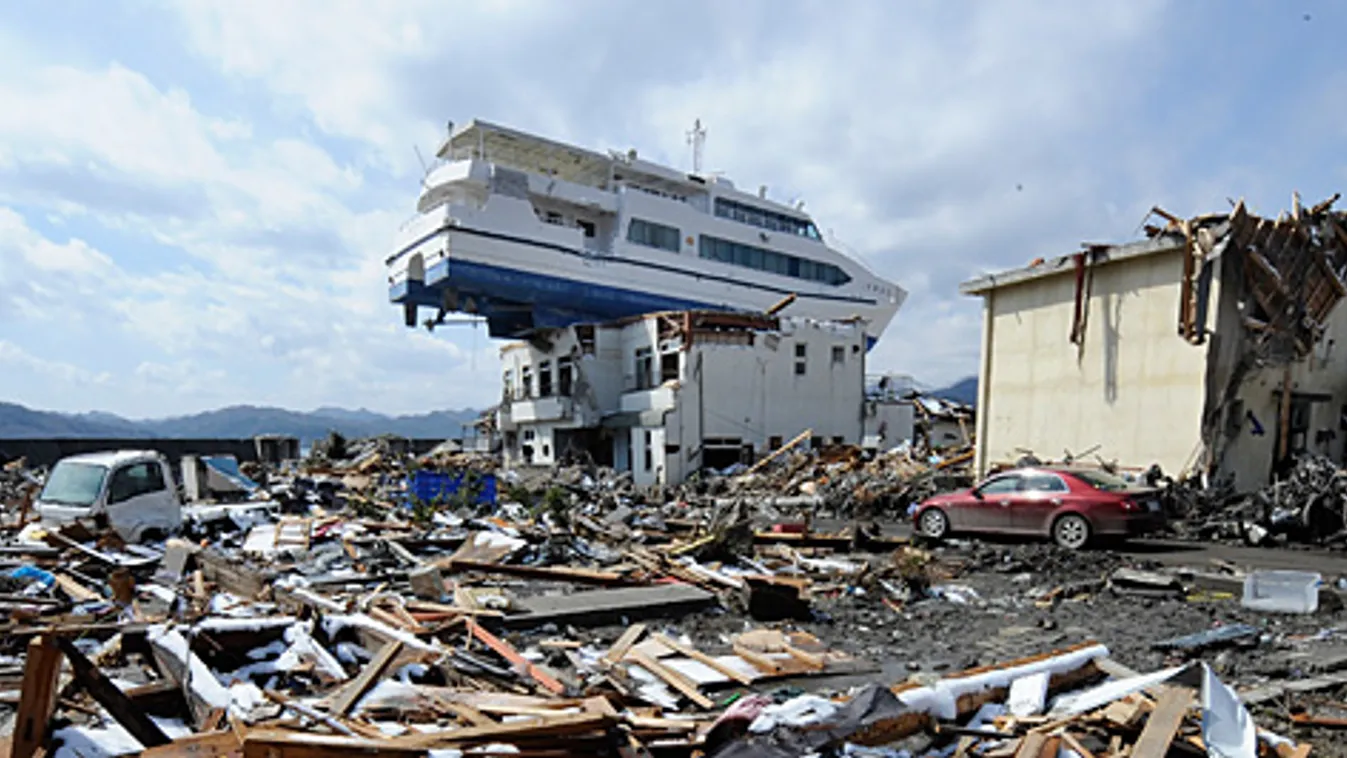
(934, 524)
(1071, 531)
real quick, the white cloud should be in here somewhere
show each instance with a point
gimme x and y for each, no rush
(335, 60)
(65, 375)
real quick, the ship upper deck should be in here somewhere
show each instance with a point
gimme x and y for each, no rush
(531, 153)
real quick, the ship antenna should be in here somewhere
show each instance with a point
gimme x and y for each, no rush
(425, 170)
(697, 138)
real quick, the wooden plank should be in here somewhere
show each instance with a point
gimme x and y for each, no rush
(797, 439)
(1073, 744)
(465, 712)
(1163, 724)
(235, 578)
(619, 649)
(704, 659)
(768, 666)
(41, 671)
(595, 607)
(77, 592)
(572, 724)
(223, 744)
(558, 573)
(504, 650)
(373, 671)
(113, 700)
(811, 660)
(1031, 746)
(1293, 751)
(672, 678)
(273, 743)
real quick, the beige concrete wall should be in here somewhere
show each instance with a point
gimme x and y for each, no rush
(1136, 390)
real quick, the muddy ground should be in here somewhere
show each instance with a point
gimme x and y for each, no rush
(1007, 618)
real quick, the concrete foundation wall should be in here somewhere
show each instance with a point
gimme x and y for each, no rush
(45, 452)
(1136, 389)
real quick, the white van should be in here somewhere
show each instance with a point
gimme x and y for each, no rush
(133, 488)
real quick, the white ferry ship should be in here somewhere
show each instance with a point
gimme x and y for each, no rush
(531, 233)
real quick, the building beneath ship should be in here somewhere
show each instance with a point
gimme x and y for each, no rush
(535, 234)
(665, 394)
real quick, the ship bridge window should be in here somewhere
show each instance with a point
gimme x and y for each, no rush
(748, 256)
(765, 219)
(651, 234)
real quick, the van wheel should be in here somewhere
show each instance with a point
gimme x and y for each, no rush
(150, 535)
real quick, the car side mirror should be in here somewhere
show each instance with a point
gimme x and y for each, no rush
(977, 494)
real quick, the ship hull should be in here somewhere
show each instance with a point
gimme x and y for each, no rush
(520, 284)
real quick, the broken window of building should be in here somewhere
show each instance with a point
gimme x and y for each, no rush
(525, 382)
(774, 442)
(649, 451)
(839, 355)
(545, 379)
(507, 383)
(584, 334)
(668, 367)
(564, 376)
(645, 368)
(800, 358)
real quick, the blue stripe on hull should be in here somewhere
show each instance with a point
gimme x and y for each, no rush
(515, 301)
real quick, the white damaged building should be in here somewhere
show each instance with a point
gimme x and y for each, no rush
(665, 394)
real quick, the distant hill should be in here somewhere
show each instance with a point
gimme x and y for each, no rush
(234, 422)
(963, 391)
(17, 421)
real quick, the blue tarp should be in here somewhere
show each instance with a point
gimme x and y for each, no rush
(227, 466)
(429, 486)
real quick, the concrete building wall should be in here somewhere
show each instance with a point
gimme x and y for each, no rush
(757, 394)
(1136, 389)
(1319, 384)
(895, 418)
(528, 416)
(670, 411)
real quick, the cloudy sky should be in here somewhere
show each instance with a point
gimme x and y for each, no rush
(196, 197)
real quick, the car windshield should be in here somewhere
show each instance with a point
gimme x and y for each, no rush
(74, 484)
(1102, 480)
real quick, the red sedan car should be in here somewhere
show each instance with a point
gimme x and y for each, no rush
(1070, 505)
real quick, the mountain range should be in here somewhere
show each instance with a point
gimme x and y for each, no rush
(963, 391)
(243, 421)
(234, 422)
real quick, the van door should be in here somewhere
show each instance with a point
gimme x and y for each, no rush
(139, 500)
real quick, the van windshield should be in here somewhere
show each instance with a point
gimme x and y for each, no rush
(73, 484)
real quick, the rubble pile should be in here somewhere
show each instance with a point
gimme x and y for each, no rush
(16, 480)
(367, 601)
(844, 480)
(1308, 505)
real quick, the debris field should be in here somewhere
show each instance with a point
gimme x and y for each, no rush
(344, 608)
